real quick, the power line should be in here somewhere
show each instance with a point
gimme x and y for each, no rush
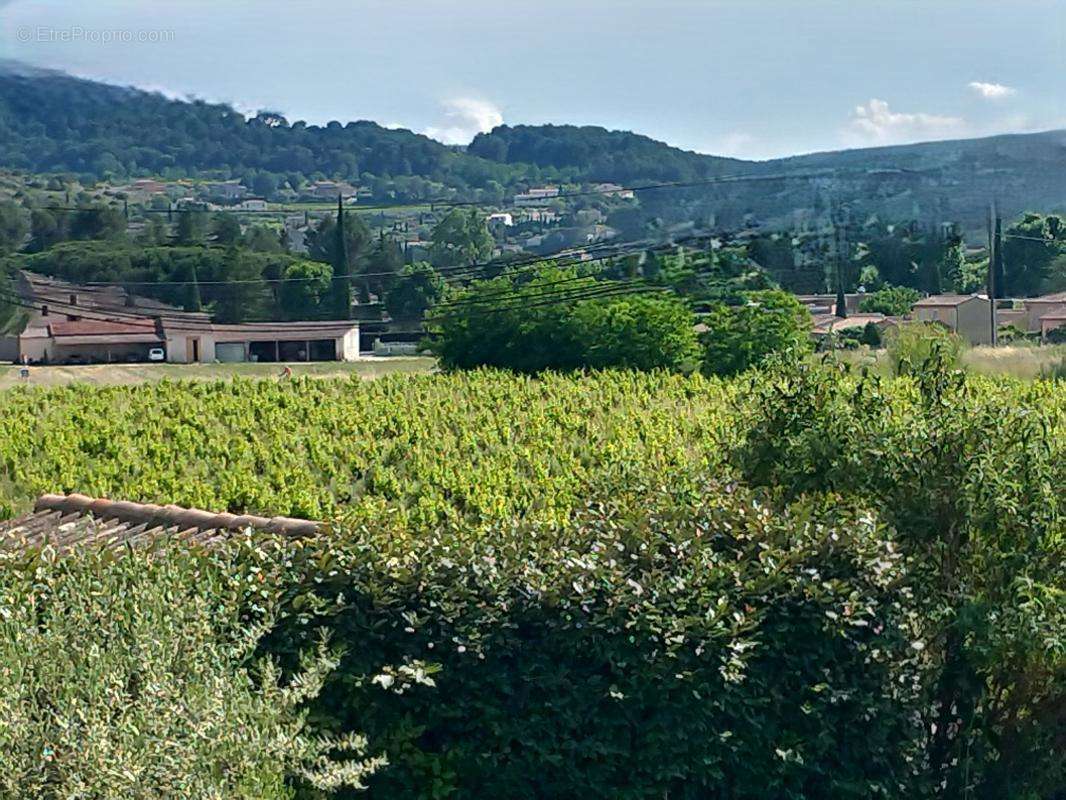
(182, 321)
(435, 204)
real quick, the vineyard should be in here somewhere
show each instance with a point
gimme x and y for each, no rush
(618, 585)
(482, 446)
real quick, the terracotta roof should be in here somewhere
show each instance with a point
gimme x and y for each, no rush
(946, 300)
(824, 323)
(1057, 297)
(100, 327)
(68, 520)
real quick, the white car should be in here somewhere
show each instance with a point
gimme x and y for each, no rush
(157, 354)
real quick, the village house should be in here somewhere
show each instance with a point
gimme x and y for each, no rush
(66, 323)
(968, 315)
(536, 197)
(253, 204)
(331, 190)
(825, 324)
(1037, 308)
(614, 190)
(225, 190)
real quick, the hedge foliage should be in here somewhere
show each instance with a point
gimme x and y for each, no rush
(131, 675)
(701, 645)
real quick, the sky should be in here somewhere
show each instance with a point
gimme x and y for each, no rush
(744, 78)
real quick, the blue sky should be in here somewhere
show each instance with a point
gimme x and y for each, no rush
(749, 78)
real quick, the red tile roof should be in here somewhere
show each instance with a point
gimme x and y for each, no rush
(68, 520)
(99, 327)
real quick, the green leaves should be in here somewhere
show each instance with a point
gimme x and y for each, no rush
(131, 675)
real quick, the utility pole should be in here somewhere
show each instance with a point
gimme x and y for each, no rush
(992, 272)
(840, 246)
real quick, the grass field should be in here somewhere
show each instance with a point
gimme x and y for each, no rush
(123, 374)
(1016, 362)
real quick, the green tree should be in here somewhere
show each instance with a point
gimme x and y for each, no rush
(155, 232)
(265, 184)
(99, 223)
(382, 268)
(135, 676)
(47, 228)
(322, 242)
(636, 332)
(953, 262)
(191, 228)
(342, 268)
(193, 300)
(549, 321)
(892, 301)
(1030, 247)
(739, 337)
(461, 238)
(243, 296)
(418, 288)
(305, 288)
(13, 227)
(226, 229)
(262, 239)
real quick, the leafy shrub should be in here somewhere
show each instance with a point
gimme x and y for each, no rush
(555, 321)
(914, 345)
(683, 646)
(739, 337)
(128, 676)
(892, 301)
(1056, 335)
(871, 335)
(969, 477)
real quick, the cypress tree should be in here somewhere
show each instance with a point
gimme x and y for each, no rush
(342, 283)
(193, 301)
(842, 301)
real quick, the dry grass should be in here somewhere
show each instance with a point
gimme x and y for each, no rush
(1026, 362)
(1019, 362)
(123, 374)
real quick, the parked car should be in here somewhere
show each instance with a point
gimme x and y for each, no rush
(157, 354)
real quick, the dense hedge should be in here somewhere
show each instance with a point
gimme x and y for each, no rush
(702, 646)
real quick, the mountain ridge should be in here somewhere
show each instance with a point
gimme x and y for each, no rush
(53, 122)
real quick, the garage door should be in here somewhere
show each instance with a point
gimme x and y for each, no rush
(229, 352)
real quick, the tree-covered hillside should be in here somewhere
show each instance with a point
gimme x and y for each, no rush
(600, 154)
(51, 122)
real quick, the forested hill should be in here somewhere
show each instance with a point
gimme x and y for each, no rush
(603, 154)
(51, 122)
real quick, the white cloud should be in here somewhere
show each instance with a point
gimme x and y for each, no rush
(876, 123)
(736, 144)
(992, 91)
(463, 119)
